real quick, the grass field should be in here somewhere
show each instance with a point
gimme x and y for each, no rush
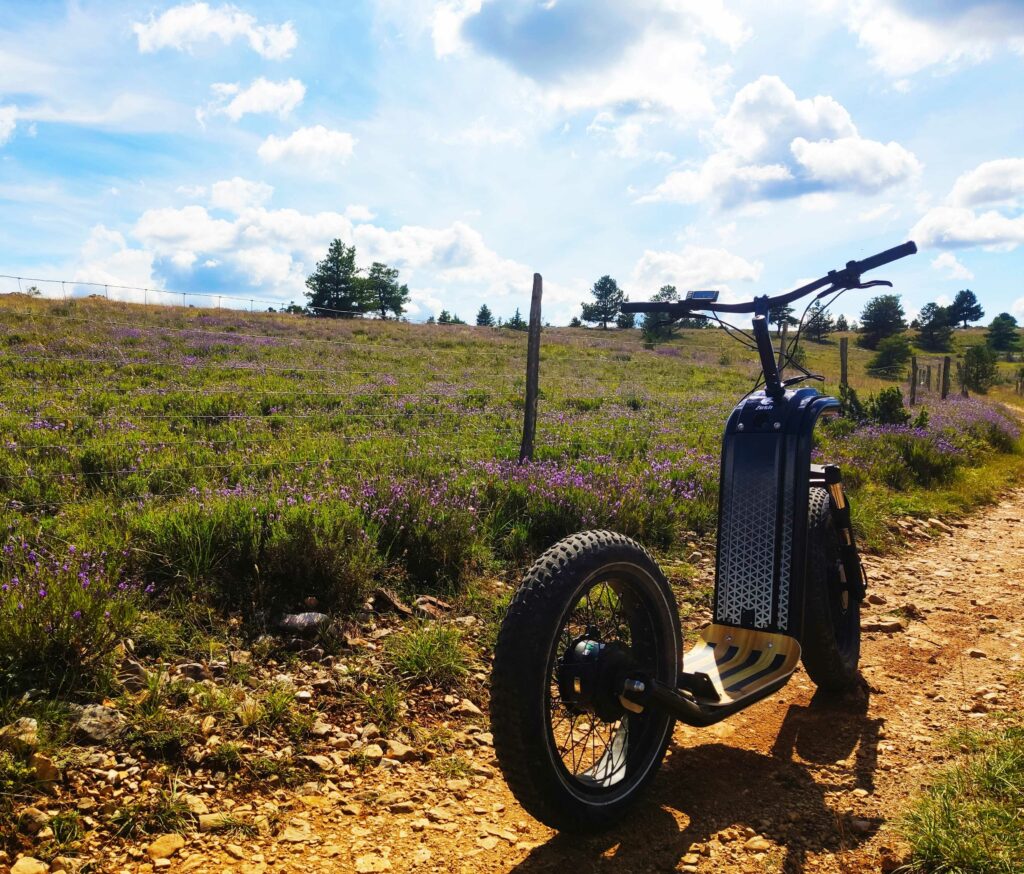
(168, 459)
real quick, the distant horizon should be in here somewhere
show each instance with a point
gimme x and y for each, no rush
(218, 148)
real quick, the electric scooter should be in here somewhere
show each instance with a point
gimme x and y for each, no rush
(589, 676)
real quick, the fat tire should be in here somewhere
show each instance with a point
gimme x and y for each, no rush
(520, 678)
(831, 641)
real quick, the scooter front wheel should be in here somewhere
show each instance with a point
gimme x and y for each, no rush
(593, 609)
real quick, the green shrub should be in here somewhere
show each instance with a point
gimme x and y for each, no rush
(887, 407)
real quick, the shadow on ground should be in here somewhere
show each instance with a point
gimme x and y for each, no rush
(706, 788)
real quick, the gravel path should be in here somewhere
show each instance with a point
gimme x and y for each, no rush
(796, 783)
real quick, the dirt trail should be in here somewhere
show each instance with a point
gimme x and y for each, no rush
(794, 784)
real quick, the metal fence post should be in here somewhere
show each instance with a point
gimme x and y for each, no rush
(913, 380)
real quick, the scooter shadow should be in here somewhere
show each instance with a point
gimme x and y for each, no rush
(704, 789)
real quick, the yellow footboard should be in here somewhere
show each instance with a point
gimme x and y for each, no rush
(741, 661)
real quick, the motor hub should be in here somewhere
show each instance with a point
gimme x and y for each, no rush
(590, 677)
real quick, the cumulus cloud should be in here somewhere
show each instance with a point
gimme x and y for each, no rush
(855, 164)
(645, 57)
(184, 26)
(238, 194)
(905, 37)
(999, 181)
(106, 258)
(693, 267)
(772, 145)
(262, 96)
(947, 263)
(958, 224)
(315, 145)
(274, 250)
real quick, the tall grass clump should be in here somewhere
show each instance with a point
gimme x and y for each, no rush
(62, 615)
(429, 653)
(260, 556)
(970, 820)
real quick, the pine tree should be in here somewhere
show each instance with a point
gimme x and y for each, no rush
(625, 321)
(381, 292)
(517, 322)
(882, 317)
(484, 319)
(781, 314)
(575, 322)
(979, 373)
(842, 324)
(334, 287)
(819, 323)
(1002, 335)
(444, 318)
(608, 298)
(658, 327)
(965, 308)
(935, 327)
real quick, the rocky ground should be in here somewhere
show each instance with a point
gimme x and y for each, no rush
(796, 783)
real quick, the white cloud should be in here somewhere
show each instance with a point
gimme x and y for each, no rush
(483, 133)
(950, 227)
(999, 181)
(771, 144)
(693, 267)
(856, 164)
(106, 258)
(8, 120)
(184, 26)
(907, 36)
(262, 96)
(357, 212)
(315, 145)
(946, 262)
(1018, 308)
(237, 194)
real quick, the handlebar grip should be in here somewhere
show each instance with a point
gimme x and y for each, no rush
(650, 307)
(886, 257)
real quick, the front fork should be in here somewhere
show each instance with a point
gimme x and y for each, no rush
(851, 570)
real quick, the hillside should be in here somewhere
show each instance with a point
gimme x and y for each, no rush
(176, 480)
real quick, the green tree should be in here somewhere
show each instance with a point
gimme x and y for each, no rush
(979, 372)
(484, 318)
(842, 324)
(517, 322)
(819, 323)
(444, 317)
(608, 297)
(965, 308)
(890, 359)
(1002, 335)
(657, 327)
(381, 292)
(935, 327)
(625, 321)
(781, 314)
(294, 309)
(335, 289)
(575, 322)
(882, 317)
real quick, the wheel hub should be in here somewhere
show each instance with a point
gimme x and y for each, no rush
(590, 677)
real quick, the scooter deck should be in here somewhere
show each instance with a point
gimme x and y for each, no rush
(741, 661)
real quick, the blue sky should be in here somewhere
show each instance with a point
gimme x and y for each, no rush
(738, 145)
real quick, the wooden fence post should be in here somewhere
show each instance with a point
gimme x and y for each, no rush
(532, 372)
(961, 377)
(913, 380)
(844, 349)
(928, 376)
(945, 376)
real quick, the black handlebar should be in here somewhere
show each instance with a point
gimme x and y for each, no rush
(847, 277)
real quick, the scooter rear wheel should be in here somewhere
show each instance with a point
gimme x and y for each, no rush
(831, 639)
(592, 609)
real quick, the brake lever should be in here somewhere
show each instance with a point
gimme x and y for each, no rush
(873, 282)
(793, 380)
